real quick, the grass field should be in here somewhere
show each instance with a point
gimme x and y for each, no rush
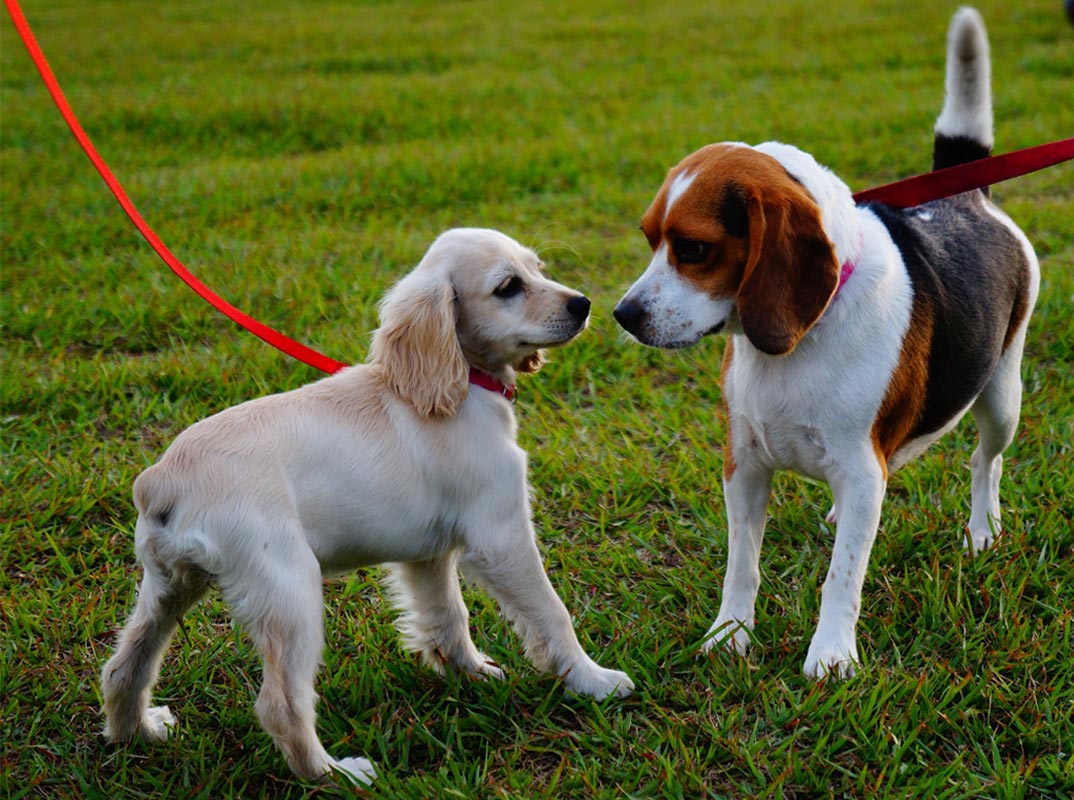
(299, 157)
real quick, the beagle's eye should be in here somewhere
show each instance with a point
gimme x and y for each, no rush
(691, 251)
(509, 288)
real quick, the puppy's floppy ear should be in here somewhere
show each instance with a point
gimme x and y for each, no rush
(416, 347)
(791, 272)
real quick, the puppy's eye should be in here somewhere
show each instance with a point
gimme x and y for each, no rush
(691, 251)
(509, 288)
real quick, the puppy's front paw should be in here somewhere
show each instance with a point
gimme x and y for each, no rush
(730, 634)
(486, 669)
(476, 665)
(355, 770)
(157, 724)
(831, 659)
(592, 680)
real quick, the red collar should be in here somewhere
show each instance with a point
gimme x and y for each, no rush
(492, 383)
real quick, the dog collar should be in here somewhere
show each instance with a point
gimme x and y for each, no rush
(845, 272)
(847, 267)
(481, 378)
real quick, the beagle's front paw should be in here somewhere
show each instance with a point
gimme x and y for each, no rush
(832, 659)
(730, 634)
(980, 538)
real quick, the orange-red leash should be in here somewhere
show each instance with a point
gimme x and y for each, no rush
(901, 194)
(273, 337)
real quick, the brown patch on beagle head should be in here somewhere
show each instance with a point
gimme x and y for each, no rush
(736, 224)
(706, 228)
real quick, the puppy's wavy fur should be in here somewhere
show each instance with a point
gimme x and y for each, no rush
(416, 349)
(398, 460)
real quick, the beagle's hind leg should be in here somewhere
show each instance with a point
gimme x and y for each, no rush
(127, 678)
(996, 412)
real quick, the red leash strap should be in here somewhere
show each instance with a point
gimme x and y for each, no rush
(966, 177)
(902, 194)
(259, 329)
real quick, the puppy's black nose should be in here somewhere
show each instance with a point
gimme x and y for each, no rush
(578, 307)
(629, 315)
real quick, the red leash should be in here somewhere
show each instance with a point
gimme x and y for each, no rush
(273, 337)
(902, 194)
(971, 175)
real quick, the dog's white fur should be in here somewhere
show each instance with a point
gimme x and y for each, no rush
(398, 460)
(813, 410)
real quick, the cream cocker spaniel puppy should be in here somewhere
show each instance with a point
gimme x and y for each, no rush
(410, 459)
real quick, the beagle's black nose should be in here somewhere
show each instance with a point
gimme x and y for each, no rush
(629, 315)
(578, 307)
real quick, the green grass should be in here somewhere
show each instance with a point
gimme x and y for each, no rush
(299, 157)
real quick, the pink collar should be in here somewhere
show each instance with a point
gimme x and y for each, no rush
(847, 268)
(479, 377)
(844, 274)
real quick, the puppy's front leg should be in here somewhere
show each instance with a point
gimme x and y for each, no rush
(747, 486)
(859, 493)
(512, 573)
(434, 621)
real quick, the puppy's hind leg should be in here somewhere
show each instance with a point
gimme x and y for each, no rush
(280, 604)
(127, 678)
(513, 573)
(435, 622)
(996, 411)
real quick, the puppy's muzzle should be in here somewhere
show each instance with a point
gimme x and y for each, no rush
(578, 307)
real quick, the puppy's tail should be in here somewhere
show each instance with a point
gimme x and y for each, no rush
(165, 540)
(964, 127)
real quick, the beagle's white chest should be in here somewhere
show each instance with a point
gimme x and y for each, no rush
(796, 412)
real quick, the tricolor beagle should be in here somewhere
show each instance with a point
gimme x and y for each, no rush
(859, 334)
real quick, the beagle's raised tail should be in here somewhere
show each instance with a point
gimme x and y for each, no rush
(964, 127)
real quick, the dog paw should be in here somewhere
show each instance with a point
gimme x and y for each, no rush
(157, 724)
(475, 665)
(484, 669)
(831, 661)
(832, 517)
(731, 635)
(355, 770)
(593, 680)
(981, 539)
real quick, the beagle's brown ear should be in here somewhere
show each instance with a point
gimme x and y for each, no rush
(791, 272)
(416, 348)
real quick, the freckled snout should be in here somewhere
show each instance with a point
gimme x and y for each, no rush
(630, 315)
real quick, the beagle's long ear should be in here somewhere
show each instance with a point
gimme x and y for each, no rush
(416, 347)
(791, 272)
